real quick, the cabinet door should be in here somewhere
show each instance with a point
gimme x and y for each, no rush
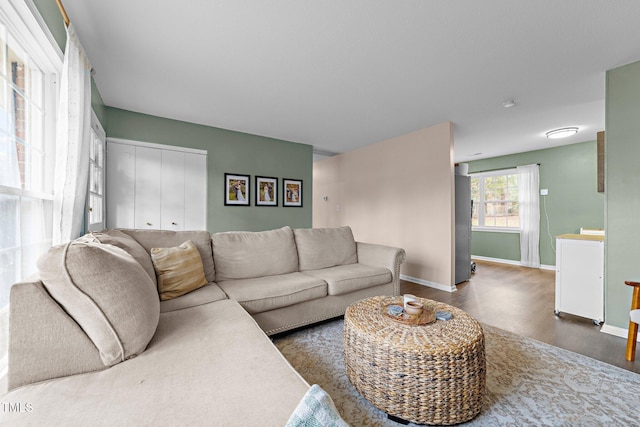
(147, 188)
(195, 194)
(173, 191)
(120, 182)
(579, 278)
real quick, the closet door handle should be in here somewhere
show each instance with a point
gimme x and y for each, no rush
(149, 224)
(173, 223)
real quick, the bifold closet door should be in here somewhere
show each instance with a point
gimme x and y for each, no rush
(156, 188)
(121, 181)
(173, 191)
(148, 191)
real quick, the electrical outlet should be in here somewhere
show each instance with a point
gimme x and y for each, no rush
(544, 192)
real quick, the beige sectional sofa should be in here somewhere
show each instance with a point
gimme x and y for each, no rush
(92, 344)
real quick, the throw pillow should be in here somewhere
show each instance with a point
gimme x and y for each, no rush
(179, 270)
(107, 292)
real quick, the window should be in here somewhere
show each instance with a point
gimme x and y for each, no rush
(28, 71)
(495, 200)
(95, 198)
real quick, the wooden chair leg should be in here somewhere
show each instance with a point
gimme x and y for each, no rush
(631, 341)
(633, 327)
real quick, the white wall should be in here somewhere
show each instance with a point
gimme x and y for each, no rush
(398, 192)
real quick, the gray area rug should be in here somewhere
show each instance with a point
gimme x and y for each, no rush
(529, 383)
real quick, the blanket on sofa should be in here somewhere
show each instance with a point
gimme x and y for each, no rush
(316, 409)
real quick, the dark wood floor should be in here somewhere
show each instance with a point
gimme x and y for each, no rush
(522, 300)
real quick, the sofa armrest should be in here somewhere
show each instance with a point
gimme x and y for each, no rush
(44, 342)
(383, 256)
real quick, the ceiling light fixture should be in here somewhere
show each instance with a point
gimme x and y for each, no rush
(561, 133)
(509, 103)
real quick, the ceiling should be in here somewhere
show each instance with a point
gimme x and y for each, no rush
(342, 74)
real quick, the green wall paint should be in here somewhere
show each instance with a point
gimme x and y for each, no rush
(230, 152)
(51, 14)
(496, 245)
(622, 244)
(570, 174)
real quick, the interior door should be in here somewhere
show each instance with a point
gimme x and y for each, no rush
(121, 178)
(173, 191)
(148, 172)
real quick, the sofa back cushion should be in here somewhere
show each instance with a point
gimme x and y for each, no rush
(126, 242)
(246, 254)
(107, 292)
(325, 247)
(201, 239)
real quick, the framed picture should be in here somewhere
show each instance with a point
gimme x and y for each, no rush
(266, 191)
(292, 189)
(236, 189)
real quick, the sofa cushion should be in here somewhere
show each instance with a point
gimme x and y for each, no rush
(270, 292)
(126, 242)
(201, 296)
(179, 270)
(343, 279)
(207, 366)
(166, 239)
(107, 292)
(246, 254)
(325, 247)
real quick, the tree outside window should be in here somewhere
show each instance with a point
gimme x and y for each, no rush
(495, 200)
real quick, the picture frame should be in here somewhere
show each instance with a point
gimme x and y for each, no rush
(292, 192)
(237, 189)
(266, 192)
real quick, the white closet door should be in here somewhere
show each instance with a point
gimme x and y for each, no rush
(195, 194)
(121, 174)
(147, 188)
(173, 191)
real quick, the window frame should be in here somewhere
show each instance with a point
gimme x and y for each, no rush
(25, 26)
(479, 204)
(97, 132)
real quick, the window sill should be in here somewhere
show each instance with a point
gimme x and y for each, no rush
(497, 230)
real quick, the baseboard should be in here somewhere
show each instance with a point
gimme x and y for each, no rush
(429, 284)
(616, 331)
(510, 262)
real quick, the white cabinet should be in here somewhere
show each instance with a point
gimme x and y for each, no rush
(152, 186)
(579, 276)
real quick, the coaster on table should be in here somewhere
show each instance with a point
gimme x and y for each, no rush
(394, 310)
(443, 315)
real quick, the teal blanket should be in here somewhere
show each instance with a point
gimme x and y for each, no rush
(316, 409)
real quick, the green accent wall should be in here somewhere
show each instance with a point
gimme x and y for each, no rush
(229, 152)
(622, 185)
(569, 172)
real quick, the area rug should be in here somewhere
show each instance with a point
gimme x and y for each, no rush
(529, 383)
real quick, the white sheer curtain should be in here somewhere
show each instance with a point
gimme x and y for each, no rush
(72, 142)
(529, 201)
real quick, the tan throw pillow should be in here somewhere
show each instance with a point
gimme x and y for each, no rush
(107, 292)
(179, 270)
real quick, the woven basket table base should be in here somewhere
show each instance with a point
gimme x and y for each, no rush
(431, 374)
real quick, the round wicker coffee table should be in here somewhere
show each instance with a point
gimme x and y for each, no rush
(431, 374)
